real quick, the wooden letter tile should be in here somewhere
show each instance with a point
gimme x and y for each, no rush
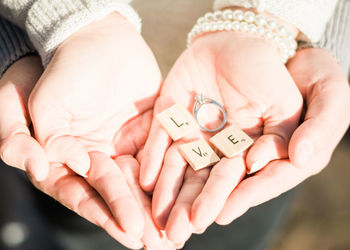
(199, 154)
(231, 141)
(177, 121)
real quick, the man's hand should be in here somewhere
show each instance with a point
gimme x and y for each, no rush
(17, 147)
(246, 75)
(327, 96)
(89, 107)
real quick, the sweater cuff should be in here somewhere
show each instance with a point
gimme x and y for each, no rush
(50, 22)
(337, 35)
(15, 44)
(309, 16)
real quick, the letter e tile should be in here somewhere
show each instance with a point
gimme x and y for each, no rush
(177, 121)
(231, 141)
(199, 154)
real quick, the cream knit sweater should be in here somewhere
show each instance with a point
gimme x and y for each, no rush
(309, 16)
(49, 22)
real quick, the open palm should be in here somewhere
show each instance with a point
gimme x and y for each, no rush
(91, 109)
(245, 74)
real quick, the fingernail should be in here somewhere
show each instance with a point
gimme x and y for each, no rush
(256, 166)
(137, 242)
(180, 245)
(32, 169)
(200, 231)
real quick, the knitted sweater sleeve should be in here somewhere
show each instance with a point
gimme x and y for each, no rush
(14, 44)
(49, 22)
(336, 37)
(309, 16)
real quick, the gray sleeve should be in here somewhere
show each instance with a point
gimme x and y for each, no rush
(49, 22)
(336, 37)
(14, 44)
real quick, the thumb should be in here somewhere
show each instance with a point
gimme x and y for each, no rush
(69, 151)
(326, 120)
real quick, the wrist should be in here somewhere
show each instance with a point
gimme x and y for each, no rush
(249, 24)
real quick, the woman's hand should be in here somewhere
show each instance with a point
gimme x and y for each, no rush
(246, 75)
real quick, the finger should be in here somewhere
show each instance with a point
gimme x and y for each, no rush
(157, 143)
(168, 184)
(73, 192)
(17, 147)
(278, 177)
(108, 180)
(69, 151)
(133, 135)
(280, 121)
(326, 120)
(178, 227)
(152, 237)
(22, 151)
(223, 178)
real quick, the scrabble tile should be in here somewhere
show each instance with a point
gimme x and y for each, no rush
(199, 154)
(231, 141)
(177, 121)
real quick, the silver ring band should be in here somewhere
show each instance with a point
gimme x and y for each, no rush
(201, 101)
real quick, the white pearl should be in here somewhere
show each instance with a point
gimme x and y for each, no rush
(218, 15)
(249, 17)
(228, 25)
(282, 30)
(291, 52)
(276, 38)
(238, 15)
(198, 29)
(283, 43)
(293, 44)
(271, 24)
(285, 50)
(213, 26)
(260, 31)
(209, 16)
(221, 25)
(243, 26)
(228, 14)
(247, 5)
(268, 34)
(235, 25)
(285, 58)
(260, 20)
(201, 20)
(205, 27)
(289, 36)
(252, 28)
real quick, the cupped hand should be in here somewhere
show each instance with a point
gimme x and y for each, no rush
(102, 80)
(245, 74)
(327, 96)
(21, 150)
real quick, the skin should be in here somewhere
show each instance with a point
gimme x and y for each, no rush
(89, 127)
(327, 96)
(104, 139)
(267, 107)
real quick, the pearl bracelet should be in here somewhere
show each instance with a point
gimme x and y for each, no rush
(247, 21)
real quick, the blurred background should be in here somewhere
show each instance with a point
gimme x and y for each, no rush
(317, 219)
(320, 215)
